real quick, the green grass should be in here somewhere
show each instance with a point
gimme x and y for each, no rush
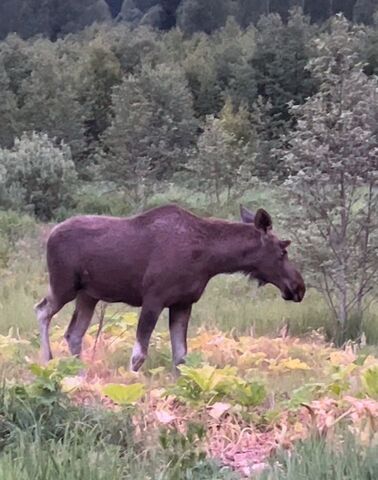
(95, 444)
(16, 310)
(234, 303)
(45, 437)
(81, 458)
(58, 441)
(230, 302)
(318, 460)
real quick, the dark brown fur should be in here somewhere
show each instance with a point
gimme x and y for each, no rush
(163, 258)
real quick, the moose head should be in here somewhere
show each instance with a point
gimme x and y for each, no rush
(271, 262)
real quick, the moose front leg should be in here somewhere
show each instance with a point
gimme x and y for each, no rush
(146, 324)
(178, 326)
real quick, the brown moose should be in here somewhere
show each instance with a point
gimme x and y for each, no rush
(162, 258)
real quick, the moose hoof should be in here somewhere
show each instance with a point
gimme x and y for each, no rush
(137, 362)
(45, 358)
(176, 370)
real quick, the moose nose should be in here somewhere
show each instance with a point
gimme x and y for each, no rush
(295, 291)
(298, 297)
(299, 292)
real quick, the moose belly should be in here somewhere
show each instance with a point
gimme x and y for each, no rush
(113, 287)
(184, 294)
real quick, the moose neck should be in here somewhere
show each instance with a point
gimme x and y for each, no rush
(232, 247)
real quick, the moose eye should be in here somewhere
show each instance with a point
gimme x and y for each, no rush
(283, 253)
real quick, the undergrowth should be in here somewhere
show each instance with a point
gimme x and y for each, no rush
(318, 459)
(237, 390)
(44, 436)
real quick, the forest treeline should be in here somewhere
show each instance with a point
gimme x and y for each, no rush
(135, 106)
(55, 18)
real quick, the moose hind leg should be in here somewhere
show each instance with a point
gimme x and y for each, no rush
(147, 321)
(80, 322)
(178, 326)
(45, 310)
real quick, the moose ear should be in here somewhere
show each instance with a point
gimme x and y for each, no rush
(263, 220)
(246, 215)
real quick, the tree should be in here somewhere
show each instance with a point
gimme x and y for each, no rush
(332, 157)
(218, 66)
(99, 72)
(281, 77)
(49, 98)
(51, 18)
(37, 176)
(369, 49)
(15, 62)
(200, 69)
(72, 16)
(221, 163)
(364, 11)
(280, 61)
(345, 7)
(236, 121)
(268, 129)
(234, 49)
(249, 11)
(132, 47)
(202, 15)
(319, 10)
(8, 110)
(24, 17)
(152, 128)
(115, 6)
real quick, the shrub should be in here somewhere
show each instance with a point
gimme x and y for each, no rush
(39, 177)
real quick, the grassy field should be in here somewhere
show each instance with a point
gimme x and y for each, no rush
(249, 403)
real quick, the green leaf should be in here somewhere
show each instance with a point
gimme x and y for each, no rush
(250, 394)
(370, 381)
(124, 394)
(40, 371)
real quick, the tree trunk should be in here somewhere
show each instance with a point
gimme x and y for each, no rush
(342, 320)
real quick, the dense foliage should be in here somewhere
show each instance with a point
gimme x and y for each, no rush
(38, 176)
(332, 158)
(57, 18)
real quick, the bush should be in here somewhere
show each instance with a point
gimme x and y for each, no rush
(39, 177)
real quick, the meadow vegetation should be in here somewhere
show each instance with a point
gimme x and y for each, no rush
(251, 391)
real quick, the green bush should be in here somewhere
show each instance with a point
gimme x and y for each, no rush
(39, 178)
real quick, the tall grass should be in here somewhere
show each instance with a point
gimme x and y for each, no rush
(45, 437)
(82, 458)
(234, 303)
(316, 459)
(73, 458)
(230, 302)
